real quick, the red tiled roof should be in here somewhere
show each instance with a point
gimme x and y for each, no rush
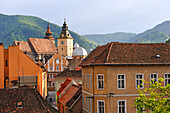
(42, 45)
(78, 68)
(66, 82)
(23, 45)
(70, 93)
(129, 53)
(31, 100)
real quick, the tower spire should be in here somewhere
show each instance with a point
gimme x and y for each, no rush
(48, 34)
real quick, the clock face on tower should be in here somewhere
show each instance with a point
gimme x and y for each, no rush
(62, 42)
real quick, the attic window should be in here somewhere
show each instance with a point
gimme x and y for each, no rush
(158, 56)
(19, 105)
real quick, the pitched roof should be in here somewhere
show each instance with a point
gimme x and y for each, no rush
(66, 82)
(42, 45)
(30, 99)
(74, 98)
(23, 45)
(69, 94)
(116, 53)
(70, 73)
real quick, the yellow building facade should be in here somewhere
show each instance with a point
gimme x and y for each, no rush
(110, 86)
(18, 68)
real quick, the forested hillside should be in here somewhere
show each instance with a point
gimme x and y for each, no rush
(20, 28)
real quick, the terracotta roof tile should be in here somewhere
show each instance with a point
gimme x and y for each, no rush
(70, 73)
(129, 53)
(74, 98)
(66, 82)
(42, 45)
(23, 45)
(31, 100)
(70, 93)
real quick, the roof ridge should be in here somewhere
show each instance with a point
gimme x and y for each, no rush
(102, 52)
(108, 53)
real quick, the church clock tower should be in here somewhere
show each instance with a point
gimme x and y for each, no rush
(65, 41)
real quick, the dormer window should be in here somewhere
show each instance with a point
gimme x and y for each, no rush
(19, 105)
(158, 56)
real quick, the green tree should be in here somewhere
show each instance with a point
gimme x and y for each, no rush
(157, 101)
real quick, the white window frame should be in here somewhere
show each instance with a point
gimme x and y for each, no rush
(124, 81)
(98, 82)
(86, 102)
(90, 80)
(142, 81)
(118, 106)
(49, 84)
(152, 78)
(85, 80)
(164, 78)
(58, 68)
(82, 79)
(53, 83)
(98, 105)
(91, 106)
(83, 101)
(50, 75)
(50, 68)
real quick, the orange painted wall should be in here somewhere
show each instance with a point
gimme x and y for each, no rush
(1, 67)
(20, 64)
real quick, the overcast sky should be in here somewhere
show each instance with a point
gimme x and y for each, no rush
(94, 16)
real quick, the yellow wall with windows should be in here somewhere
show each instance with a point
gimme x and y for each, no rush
(111, 94)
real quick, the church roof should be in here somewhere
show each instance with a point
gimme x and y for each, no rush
(116, 53)
(42, 45)
(23, 45)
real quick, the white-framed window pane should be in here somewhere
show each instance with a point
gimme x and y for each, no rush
(90, 81)
(91, 106)
(101, 107)
(100, 81)
(86, 103)
(83, 101)
(167, 79)
(53, 84)
(51, 68)
(88, 106)
(86, 80)
(50, 75)
(82, 79)
(121, 107)
(139, 82)
(154, 78)
(121, 81)
(57, 68)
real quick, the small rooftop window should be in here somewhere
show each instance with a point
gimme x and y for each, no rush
(158, 56)
(19, 104)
